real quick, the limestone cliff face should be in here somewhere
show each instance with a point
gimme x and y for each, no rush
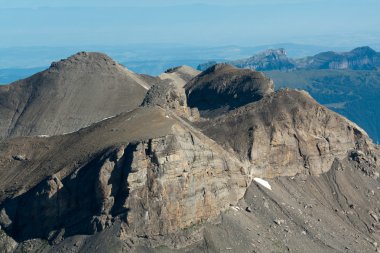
(177, 181)
(155, 187)
(286, 134)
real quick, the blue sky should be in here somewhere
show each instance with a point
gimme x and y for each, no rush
(190, 22)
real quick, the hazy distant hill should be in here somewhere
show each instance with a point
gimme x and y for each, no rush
(361, 58)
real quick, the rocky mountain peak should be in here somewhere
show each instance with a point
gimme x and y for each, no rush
(71, 94)
(93, 59)
(225, 87)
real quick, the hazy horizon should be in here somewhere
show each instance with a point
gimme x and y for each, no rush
(212, 23)
(149, 36)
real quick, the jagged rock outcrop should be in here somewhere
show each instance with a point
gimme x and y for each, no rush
(287, 133)
(71, 94)
(170, 93)
(172, 97)
(224, 87)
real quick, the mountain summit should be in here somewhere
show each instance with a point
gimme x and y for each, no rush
(71, 94)
(224, 87)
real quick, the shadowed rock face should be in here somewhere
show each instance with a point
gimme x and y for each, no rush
(150, 180)
(71, 94)
(224, 87)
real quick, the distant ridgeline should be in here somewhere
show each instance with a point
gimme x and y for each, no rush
(362, 58)
(348, 82)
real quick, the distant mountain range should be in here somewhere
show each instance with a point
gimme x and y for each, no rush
(361, 58)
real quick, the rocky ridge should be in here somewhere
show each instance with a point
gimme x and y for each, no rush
(155, 180)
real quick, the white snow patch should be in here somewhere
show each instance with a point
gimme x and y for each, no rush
(262, 182)
(68, 133)
(109, 118)
(43, 136)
